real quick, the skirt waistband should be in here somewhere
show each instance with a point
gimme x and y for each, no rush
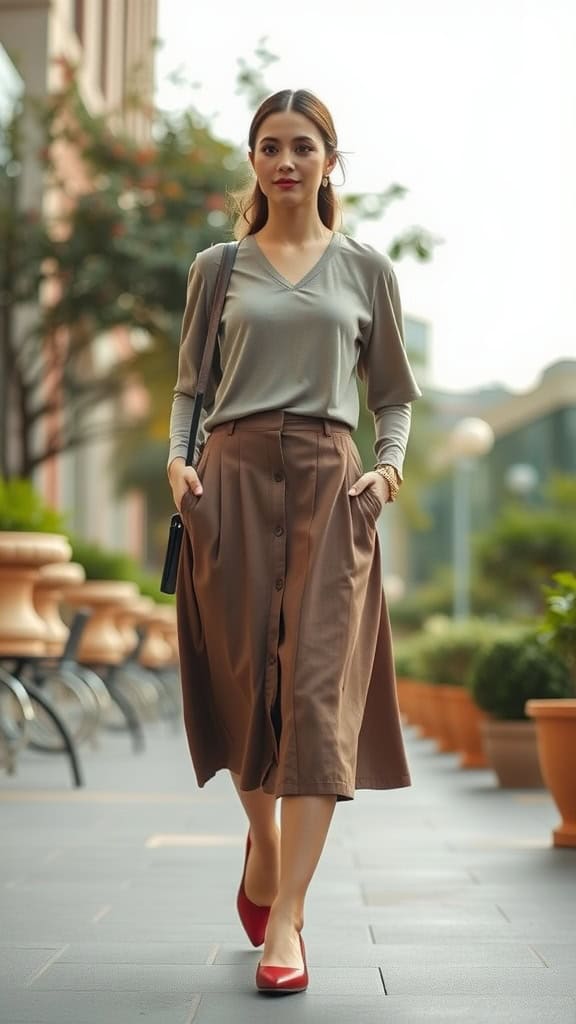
(279, 419)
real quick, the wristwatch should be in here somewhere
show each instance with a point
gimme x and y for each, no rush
(391, 474)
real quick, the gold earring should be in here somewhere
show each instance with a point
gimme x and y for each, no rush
(325, 181)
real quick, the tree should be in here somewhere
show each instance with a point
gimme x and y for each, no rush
(114, 254)
(526, 546)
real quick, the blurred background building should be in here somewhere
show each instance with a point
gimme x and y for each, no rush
(112, 44)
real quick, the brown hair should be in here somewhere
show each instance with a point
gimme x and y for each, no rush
(250, 205)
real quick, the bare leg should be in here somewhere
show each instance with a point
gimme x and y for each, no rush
(305, 823)
(263, 868)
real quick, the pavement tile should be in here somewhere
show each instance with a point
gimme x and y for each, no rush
(154, 1007)
(121, 905)
(162, 953)
(186, 978)
(557, 954)
(18, 964)
(416, 1009)
(472, 980)
(330, 954)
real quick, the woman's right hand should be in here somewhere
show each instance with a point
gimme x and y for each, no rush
(183, 478)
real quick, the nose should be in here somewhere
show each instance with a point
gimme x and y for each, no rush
(286, 162)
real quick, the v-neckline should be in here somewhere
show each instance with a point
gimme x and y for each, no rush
(324, 255)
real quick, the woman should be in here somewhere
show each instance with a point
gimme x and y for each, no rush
(287, 672)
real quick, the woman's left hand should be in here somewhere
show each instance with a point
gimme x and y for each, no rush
(374, 480)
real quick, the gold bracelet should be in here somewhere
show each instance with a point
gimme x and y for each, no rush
(390, 473)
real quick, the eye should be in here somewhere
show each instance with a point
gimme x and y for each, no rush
(267, 147)
(303, 147)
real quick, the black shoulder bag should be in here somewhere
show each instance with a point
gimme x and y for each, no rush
(175, 534)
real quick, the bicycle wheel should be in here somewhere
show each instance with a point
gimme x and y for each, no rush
(138, 690)
(16, 714)
(76, 705)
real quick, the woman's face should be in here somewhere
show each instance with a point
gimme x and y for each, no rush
(290, 158)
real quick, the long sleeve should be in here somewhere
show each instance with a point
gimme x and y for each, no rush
(192, 340)
(384, 367)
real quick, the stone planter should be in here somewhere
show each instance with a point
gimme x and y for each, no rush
(102, 642)
(466, 719)
(22, 555)
(156, 651)
(168, 627)
(512, 752)
(555, 722)
(51, 585)
(130, 615)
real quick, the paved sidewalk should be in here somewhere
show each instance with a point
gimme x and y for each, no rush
(443, 902)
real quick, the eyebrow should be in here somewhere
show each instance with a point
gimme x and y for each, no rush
(297, 138)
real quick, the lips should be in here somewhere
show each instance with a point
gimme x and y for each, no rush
(286, 183)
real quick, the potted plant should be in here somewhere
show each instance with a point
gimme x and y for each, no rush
(413, 686)
(453, 648)
(450, 653)
(555, 717)
(407, 664)
(504, 677)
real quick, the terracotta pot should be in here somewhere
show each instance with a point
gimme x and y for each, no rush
(439, 719)
(465, 718)
(512, 752)
(22, 555)
(156, 651)
(102, 643)
(410, 698)
(49, 591)
(423, 710)
(555, 722)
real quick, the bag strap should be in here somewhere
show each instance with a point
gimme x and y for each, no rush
(221, 287)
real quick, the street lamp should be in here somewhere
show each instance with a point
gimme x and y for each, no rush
(470, 438)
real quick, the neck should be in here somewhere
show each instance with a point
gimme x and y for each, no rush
(293, 227)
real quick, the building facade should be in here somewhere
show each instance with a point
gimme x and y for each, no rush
(111, 43)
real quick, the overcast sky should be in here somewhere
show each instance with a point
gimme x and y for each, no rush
(472, 107)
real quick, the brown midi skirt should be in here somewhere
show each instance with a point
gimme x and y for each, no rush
(285, 644)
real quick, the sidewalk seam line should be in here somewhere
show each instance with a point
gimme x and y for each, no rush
(38, 974)
(539, 955)
(195, 1008)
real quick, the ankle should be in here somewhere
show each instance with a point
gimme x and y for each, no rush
(288, 914)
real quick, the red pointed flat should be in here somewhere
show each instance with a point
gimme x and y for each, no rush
(253, 917)
(283, 979)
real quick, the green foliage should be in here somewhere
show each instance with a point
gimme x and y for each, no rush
(410, 656)
(445, 652)
(436, 598)
(524, 548)
(511, 672)
(103, 564)
(115, 254)
(451, 650)
(558, 625)
(22, 508)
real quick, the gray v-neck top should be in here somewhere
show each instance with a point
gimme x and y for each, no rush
(299, 346)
